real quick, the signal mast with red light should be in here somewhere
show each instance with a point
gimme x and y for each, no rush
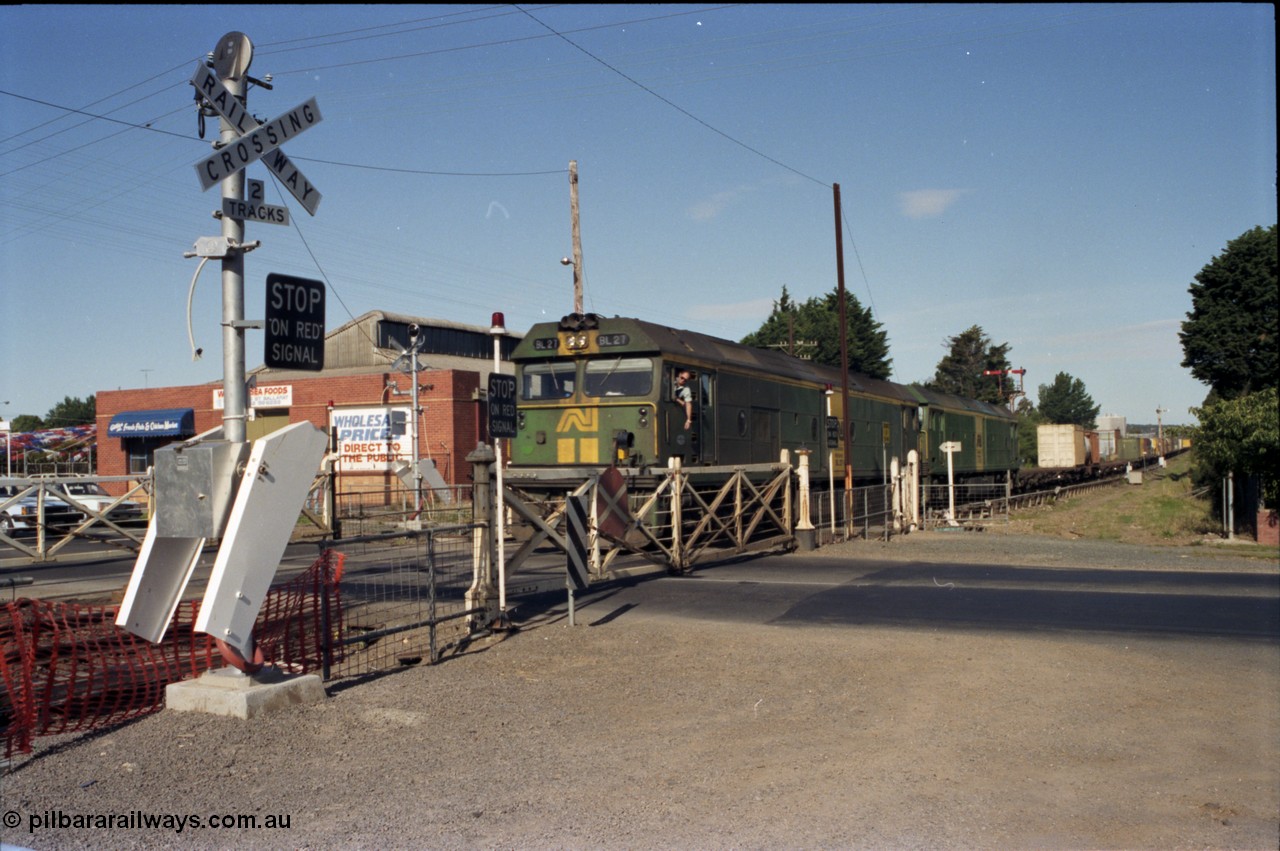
(1014, 394)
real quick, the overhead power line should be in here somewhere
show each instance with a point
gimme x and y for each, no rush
(670, 103)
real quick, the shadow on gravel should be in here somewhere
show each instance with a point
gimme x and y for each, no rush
(531, 611)
(1021, 598)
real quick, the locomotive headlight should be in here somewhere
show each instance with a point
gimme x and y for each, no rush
(520, 420)
(644, 417)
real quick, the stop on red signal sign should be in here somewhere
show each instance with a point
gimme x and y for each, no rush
(295, 323)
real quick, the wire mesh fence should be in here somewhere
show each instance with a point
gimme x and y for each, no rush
(362, 510)
(403, 599)
(968, 505)
(840, 514)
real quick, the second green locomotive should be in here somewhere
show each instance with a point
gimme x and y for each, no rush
(597, 392)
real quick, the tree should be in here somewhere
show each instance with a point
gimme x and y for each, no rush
(778, 330)
(1229, 337)
(1065, 401)
(961, 371)
(1243, 435)
(1028, 419)
(72, 412)
(26, 422)
(814, 329)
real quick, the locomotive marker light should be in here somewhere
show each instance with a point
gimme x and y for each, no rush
(951, 447)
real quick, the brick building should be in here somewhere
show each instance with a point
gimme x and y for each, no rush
(362, 399)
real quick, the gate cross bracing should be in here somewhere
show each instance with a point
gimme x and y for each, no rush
(676, 516)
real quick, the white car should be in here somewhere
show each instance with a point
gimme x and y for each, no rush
(94, 497)
(23, 514)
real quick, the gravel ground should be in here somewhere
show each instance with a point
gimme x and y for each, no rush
(643, 731)
(999, 544)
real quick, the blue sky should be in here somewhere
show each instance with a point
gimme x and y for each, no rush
(1056, 174)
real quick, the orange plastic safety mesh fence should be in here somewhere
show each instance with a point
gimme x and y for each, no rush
(68, 668)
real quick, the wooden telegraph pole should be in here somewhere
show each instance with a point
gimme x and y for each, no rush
(577, 237)
(844, 351)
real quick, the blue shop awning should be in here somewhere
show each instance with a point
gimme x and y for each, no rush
(172, 422)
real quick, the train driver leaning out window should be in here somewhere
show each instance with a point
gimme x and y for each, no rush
(684, 395)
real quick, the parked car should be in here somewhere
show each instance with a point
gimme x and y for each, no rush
(94, 497)
(23, 515)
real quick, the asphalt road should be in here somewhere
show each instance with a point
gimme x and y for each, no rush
(88, 571)
(795, 589)
(800, 588)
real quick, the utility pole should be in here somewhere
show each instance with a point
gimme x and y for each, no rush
(1160, 426)
(577, 237)
(844, 351)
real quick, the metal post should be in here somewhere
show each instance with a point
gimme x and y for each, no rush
(331, 478)
(497, 329)
(1229, 507)
(831, 474)
(806, 534)
(951, 488)
(413, 440)
(234, 391)
(480, 594)
(677, 520)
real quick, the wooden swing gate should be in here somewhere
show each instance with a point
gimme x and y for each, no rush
(672, 516)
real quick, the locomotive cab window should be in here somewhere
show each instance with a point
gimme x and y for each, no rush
(549, 380)
(691, 383)
(618, 377)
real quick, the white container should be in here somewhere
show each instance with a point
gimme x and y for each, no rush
(1061, 445)
(1110, 422)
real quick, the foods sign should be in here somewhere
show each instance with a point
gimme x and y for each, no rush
(370, 439)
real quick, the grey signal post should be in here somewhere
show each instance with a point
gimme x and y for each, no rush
(266, 483)
(235, 393)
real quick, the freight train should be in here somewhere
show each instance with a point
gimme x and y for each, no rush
(595, 392)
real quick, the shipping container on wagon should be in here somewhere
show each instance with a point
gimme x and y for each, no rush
(1110, 422)
(1108, 445)
(1061, 445)
(1130, 449)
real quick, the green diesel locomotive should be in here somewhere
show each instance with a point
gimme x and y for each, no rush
(597, 392)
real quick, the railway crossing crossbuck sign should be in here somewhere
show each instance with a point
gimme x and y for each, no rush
(257, 141)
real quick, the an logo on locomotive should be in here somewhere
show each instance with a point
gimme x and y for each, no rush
(579, 450)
